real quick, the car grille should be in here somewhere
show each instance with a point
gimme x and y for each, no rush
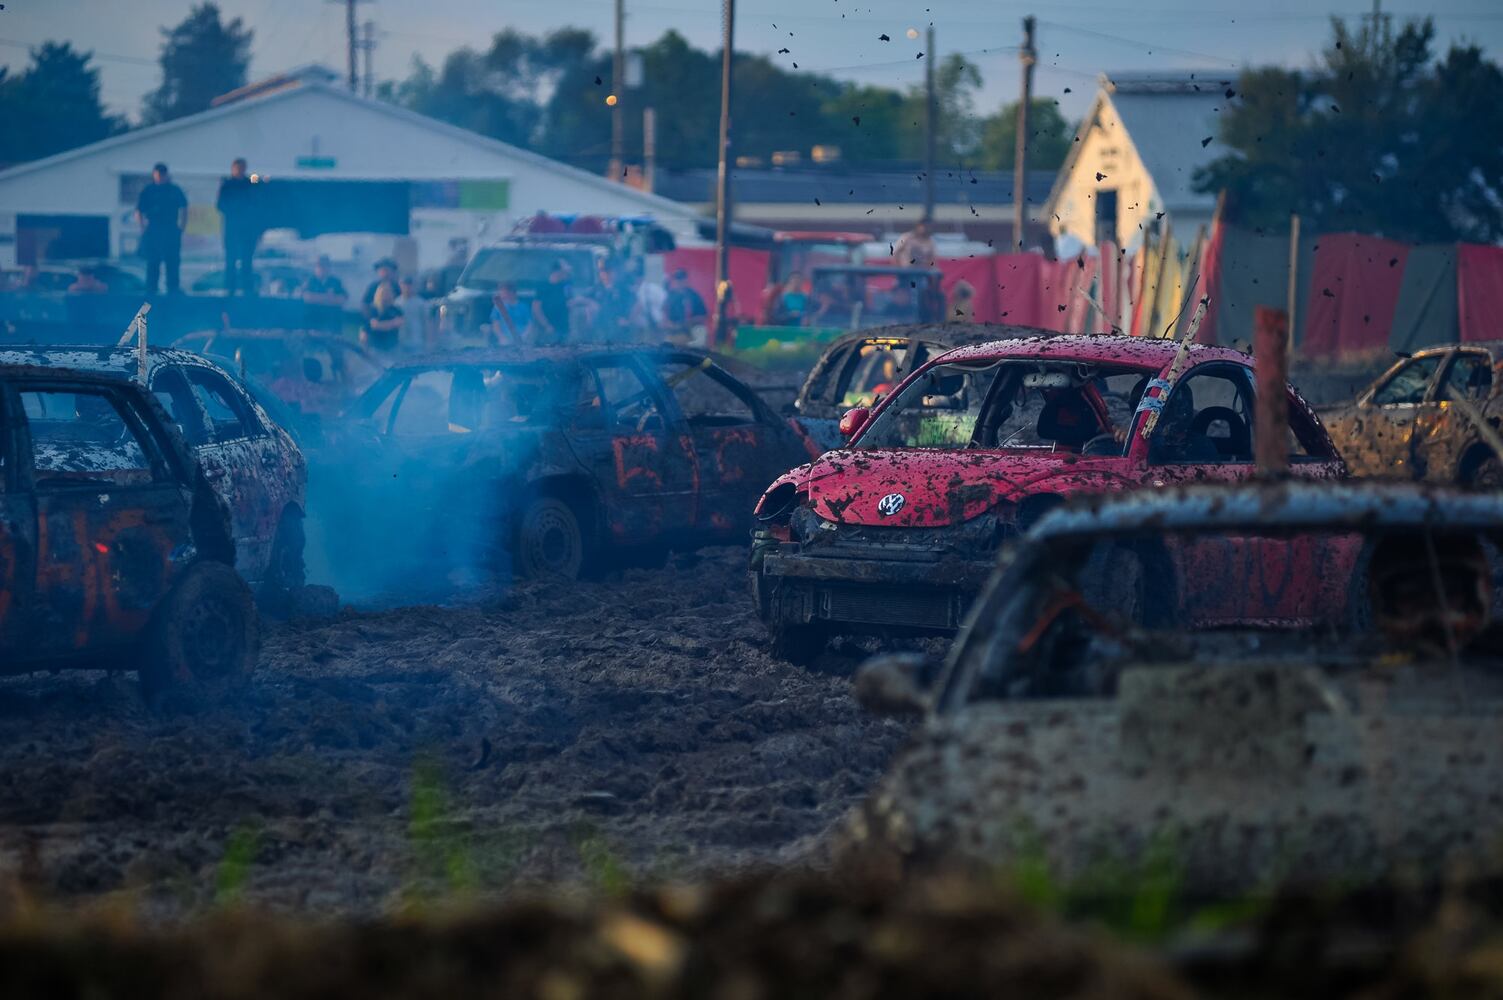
(891, 606)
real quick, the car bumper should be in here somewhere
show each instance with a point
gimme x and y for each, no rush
(865, 595)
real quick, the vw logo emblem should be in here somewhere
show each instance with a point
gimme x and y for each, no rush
(890, 504)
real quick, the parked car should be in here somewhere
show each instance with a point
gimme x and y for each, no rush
(858, 370)
(550, 460)
(897, 531)
(251, 462)
(114, 550)
(1257, 682)
(316, 375)
(1409, 425)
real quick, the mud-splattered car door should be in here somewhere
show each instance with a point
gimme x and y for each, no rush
(1376, 436)
(112, 515)
(740, 444)
(1442, 432)
(18, 534)
(641, 456)
(240, 460)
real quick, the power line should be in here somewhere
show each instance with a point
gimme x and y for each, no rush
(1150, 47)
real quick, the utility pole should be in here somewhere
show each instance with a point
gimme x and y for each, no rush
(1027, 57)
(368, 46)
(723, 179)
(618, 87)
(352, 41)
(931, 126)
(649, 147)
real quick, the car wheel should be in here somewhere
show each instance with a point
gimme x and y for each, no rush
(286, 571)
(204, 632)
(550, 543)
(798, 644)
(1488, 475)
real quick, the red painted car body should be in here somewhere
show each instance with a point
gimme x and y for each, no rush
(899, 529)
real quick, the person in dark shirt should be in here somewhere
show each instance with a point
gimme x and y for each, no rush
(323, 288)
(386, 276)
(684, 308)
(550, 310)
(383, 323)
(162, 211)
(612, 302)
(236, 203)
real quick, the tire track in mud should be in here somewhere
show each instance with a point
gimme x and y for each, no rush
(559, 733)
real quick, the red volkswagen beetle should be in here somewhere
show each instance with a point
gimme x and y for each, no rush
(898, 530)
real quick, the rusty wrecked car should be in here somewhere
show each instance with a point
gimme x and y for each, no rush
(860, 369)
(1250, 683)
(1432, 417)
(549, 461)
(114, 550)
(897, 531)
(249, 458)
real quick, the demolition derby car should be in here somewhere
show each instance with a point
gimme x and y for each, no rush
(897, 531)
(250, 460)
(859, 370)
(547, 460)
(1248, 684)
(1433, 417)
(114, 550)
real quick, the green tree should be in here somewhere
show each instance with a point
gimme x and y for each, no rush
(1378, 138)
(53, 106)
(202, 58)
(958, 135)
(1049, 136)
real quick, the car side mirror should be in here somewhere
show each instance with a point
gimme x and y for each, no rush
(890, 684)
(853, 421)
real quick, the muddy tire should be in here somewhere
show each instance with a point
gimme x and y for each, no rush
(1487, 476)
(550, 541)
(286, 570)
(205, 633)
(798, 644)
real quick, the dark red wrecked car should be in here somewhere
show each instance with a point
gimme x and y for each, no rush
(897, 531)
(114, 550)
(546, 461)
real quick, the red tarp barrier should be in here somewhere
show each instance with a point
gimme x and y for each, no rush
(1353, 288)
(1208, 283)
(748, 275)
(976, 270)
(1479, 291)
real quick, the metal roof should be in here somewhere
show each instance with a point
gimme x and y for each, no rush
(1169, 117)
(952, 186)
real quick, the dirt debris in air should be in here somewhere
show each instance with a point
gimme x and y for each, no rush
(633, 727)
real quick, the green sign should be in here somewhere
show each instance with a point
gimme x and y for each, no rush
(485, 196)
(317, 162)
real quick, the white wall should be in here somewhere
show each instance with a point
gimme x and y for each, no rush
(367, 140)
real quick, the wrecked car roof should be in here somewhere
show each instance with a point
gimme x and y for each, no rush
(1293, 504)
(111, 360)
(1099, 349)
(527, 355)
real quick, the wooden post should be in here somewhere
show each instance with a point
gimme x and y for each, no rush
(1271, 410)
(1291, 304)
(1027, 56)
(931, 128)
(723, 209)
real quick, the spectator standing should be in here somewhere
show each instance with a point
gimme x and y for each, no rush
(236, 204)
(649, 301)
(386, 276)
(510, 316)
(962, 303)
(550, 310)
(383, 322)
(162, 211)
(613, 299)
(414, 318)
(793, 304)
(684, 307)
(324, 288)
(915, 248)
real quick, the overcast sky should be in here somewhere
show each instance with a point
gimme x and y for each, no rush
(1077, 39)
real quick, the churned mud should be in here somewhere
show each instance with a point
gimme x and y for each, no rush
(628, 728)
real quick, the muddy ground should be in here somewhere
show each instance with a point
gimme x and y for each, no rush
(630, 727)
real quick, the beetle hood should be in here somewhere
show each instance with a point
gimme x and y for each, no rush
(921, 488)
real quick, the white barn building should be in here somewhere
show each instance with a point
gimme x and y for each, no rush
(377, 161)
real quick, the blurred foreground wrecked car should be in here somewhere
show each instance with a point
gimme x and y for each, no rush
(249, 459)
(547, 461)
(1433, 417)
(898, 530)
(1248, 683)
(114, 550)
